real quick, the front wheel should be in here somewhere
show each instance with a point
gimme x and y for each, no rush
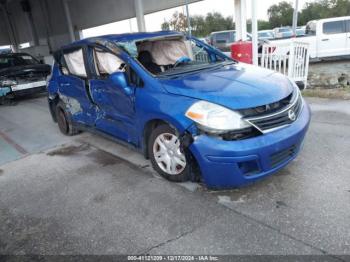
(166, 155)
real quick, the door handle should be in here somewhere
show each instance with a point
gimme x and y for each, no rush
(325, 39)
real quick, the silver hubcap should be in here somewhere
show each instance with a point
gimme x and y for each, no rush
(167, 153)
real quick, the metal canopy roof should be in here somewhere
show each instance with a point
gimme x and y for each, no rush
(50, 21)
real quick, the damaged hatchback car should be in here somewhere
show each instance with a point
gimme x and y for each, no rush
(194, 112)
(21, 74)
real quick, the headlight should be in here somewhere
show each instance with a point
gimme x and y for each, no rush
(214, 118)
(7, 83)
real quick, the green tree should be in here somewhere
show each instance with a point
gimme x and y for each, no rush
(280, 14)
(339, 7)
(177, 22)
(324, 9)
(216, 22)
(165, 26)
(201, 25)
(262, 25)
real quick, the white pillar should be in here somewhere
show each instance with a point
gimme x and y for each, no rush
(254, 33)
(295, 17)
(241, 20)
(69, 20)
(141, 25)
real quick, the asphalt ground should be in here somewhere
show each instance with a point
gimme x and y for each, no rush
(88, 195)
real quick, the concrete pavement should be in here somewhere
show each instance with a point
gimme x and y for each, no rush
(87, 195)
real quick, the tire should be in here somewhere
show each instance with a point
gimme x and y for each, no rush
(166, 155)
(64, 120)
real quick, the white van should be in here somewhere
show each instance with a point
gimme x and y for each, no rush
(326, 37)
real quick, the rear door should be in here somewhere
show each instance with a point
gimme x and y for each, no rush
(333, 39)
(73, 85)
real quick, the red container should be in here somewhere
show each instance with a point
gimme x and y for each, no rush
(242, 51)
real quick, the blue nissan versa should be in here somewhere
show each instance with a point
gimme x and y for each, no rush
(194, 112)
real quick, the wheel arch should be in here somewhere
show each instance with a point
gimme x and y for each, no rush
(151, 124)
(53, 101)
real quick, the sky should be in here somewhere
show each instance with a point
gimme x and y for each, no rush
(154, 21)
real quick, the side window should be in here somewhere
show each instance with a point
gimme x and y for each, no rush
(75, 63)
(347, 25)
(232, 37)
(336, 27)
(107, 63)
(222, 38)
(310, 28)
(201, 54)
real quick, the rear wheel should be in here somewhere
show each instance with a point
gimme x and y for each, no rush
(166, 155)
(63, 120)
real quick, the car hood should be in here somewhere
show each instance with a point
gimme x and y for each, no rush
(38, 69)
(236, 86)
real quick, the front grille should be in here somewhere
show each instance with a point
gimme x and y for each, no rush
(241, 134)
(280, 157)
(267, 109)
(279, 119)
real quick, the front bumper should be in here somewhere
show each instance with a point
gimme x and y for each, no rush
(228, 164)
(9, 92)
(30, 91)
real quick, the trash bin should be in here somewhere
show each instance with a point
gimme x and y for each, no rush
(242, 51)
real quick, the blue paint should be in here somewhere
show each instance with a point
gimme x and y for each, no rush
(123, 110)
(4, 91)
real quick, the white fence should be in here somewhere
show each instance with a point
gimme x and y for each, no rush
(290, 59)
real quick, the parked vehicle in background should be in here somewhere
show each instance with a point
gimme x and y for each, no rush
(266, 35)
(21, 74)
(300, 31)
(224, 122)
(283, 32)
(223, 40)
(204, 40)
(327, 38)
(5, 50)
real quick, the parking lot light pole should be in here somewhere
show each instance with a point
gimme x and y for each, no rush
(295, 17)
(188, 20)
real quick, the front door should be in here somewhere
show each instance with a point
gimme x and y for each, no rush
(333, 39)
(115, 102)
(348, 37)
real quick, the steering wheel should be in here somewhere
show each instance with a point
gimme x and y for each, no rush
(181, 60)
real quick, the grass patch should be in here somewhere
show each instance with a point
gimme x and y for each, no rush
(336, 93)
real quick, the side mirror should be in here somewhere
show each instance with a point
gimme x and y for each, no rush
(118, 78)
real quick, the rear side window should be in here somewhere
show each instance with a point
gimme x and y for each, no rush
(222, 37)
(310, 28)
(335, 27)
(75, 63)
(347, 25)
